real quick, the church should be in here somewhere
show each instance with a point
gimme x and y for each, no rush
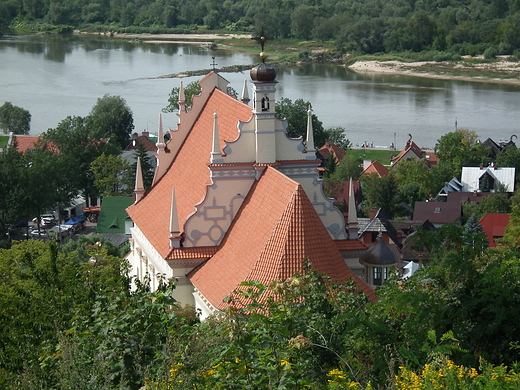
(235, 199)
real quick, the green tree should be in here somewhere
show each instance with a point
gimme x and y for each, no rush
(494, 203)
(146, 165)
(190, 90)
(413, 171)
(296, 115)
(125, 334)
(381, 193)
(474, 236)
(14, 119)
(111, 118)
(112, 175)
(78, 147)
(41, 292)
(459, 149)
(348, 168)
(337, 136)
(286, 335)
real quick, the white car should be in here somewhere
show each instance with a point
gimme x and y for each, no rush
(38, 233)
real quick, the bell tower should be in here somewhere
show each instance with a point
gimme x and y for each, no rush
(264, 81)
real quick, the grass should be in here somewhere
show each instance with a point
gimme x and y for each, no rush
(383, 156)
(3, 141)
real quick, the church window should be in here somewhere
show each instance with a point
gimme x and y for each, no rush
(265, 103)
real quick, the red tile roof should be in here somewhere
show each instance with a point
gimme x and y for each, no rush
(331, 148)
(148, 144)
(270, 243)
(28, 142)
(494, 226)
(437, 212)
(189, 172)
(376, 167)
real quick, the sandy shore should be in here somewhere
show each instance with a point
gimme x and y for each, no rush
(418, 69)
(175, 38)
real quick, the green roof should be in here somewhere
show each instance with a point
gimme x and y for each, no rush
(113, 214)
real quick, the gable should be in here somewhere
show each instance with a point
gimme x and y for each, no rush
(274, 231)
(188, 172)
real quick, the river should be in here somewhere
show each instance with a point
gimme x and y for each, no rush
(58, 76)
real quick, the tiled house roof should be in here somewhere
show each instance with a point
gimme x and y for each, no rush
(189, 171)
(494, 226)
(332, 149)
(26, 143)
(376, 167)
(414, 151)
(438, 213)
(271, 247)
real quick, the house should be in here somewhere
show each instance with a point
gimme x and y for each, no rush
(331, 149)
(494, 226)
(414, 152)
(28, 143)
(454, 185)
(234, 199)
(438, 213)
(375, 168)
(146, 141)
(488, 179)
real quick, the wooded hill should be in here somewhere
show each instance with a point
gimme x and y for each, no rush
(466, 27)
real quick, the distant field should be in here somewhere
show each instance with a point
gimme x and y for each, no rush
(383, 155)
(3, 140)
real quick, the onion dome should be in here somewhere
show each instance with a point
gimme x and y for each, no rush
(379, 254)
(263, 72)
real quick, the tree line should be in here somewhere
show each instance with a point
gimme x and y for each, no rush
(463, 27)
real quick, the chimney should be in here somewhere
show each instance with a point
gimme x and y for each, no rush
(481, 166)
(146, 134)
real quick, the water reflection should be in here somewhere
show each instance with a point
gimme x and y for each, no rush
(370, 106)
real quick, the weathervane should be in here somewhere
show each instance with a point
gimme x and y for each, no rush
(261, 40)
(213, 64)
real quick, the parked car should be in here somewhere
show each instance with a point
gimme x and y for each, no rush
(45, 220)
(38, 233)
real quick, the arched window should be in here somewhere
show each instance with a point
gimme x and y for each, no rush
(265, 103)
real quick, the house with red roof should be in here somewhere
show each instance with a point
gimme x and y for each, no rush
(375, 168)
(494, 226)
(28, 143)
(235, 199)
(415, 153)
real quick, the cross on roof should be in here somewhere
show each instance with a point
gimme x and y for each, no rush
(262, 39)
(213, 64)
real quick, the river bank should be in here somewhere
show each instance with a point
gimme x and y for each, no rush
(500, 71)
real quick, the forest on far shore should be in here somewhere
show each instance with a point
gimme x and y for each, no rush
(466, 27)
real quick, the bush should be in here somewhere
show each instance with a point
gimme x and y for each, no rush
(490, 53)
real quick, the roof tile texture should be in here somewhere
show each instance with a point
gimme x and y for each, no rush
(269, 243)
(189, 172)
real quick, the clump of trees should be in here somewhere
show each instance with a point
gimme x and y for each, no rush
(14, 119)
(60, 167)
(70, 319)
(446, 29)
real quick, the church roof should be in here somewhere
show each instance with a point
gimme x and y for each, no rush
(274, 246)
(188, 172)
